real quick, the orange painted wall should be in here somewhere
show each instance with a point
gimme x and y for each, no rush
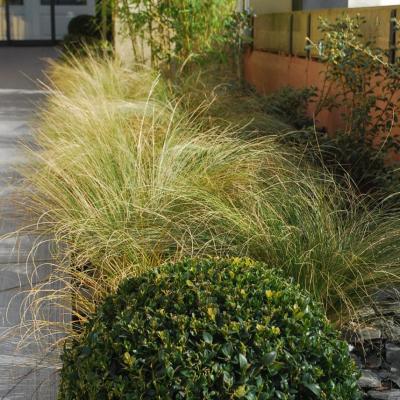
(268, 72)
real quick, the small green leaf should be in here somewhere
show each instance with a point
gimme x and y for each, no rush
(228, 379)
(314, 388)
(269, 358)
(207, 337)
(243, 361)
(240, 391)
(128, 359)
(227, 350)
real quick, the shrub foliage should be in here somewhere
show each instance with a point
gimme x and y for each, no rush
(351, 162)
(362, 82)
(208, 329)
(84, 26)
(291, 105)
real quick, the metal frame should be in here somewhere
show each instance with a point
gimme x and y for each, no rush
(10, 42)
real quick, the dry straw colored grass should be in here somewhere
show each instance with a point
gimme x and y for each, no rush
(127, 179)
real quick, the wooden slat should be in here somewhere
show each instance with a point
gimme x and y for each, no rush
(329, 15)
(272, 32)
(299, 33)
(377, 26)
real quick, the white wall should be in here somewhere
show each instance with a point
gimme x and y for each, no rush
(372, 3)
(271, 6)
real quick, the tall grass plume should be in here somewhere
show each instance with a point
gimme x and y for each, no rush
(126, 179)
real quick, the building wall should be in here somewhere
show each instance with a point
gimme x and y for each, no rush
(372, 3)
(271, 6)
(317, 4)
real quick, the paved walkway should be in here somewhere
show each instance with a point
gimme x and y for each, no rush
(30, 372)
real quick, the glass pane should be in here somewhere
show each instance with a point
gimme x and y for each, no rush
(68, 9)
(29, 20)
(18, 24)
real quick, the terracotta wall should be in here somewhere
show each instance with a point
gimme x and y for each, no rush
(268, 72)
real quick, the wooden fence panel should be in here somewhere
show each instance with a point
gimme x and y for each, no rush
(377, 26)
(272, 32)
(287, 32)
(329, 15)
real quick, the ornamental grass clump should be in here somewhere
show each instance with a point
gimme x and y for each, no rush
(125, 179)
(209, 329)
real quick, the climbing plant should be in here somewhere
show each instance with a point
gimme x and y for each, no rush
(359, 80)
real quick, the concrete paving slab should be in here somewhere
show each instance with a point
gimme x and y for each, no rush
(13, 129)
(28, 371)
(10, 157)
(23, 67)
(28, 365)
(23, 275)
(25, 248)
(12, 216)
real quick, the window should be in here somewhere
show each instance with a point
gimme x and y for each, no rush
(16, 2)
(63, 2)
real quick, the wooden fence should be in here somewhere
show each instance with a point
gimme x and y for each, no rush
(287, 32)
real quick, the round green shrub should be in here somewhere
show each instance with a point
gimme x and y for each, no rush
(84, 26)
(209, 329)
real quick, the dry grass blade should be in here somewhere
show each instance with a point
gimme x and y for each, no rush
(126, 180)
